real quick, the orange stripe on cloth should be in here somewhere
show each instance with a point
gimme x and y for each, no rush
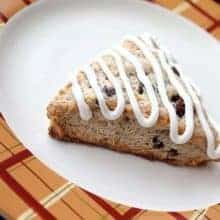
(213, 27)
(17, 188)
(105, 206)
(131, 213)
(201, 10)
(177, 216)
(50, 200)
(127, 215)
(26, 196)
(53, 191)
(14, 159)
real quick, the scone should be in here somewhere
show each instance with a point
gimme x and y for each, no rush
(135, 99)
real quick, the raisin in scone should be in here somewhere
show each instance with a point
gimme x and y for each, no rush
(135, 99)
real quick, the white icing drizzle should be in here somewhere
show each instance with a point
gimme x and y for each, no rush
(156, 65)
(212, 151)
(151, 120)
(161, 62)
(84, 110)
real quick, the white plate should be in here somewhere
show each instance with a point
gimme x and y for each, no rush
(38, 48)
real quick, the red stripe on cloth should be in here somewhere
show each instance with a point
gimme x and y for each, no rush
(26, 196)
(14, 159)
(177, 216)
(3, 17)
(201, 10)
(27, 2)
(213, 27)
(131, 213)
(105, 206)
(51, 189)
(217, 1)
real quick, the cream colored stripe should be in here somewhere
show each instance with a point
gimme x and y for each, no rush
(49, 200)
(183, 6)
(199, 214)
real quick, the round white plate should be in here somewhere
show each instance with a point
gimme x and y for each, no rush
(46, 41)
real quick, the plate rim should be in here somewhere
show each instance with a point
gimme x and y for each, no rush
(32, 7)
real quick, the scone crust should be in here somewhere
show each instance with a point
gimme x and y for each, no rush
(56, 132)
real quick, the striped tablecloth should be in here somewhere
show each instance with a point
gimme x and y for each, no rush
(30, 190)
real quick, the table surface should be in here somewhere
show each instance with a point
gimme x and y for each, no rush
(30, 190)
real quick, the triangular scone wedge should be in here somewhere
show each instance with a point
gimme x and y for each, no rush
(75, 113)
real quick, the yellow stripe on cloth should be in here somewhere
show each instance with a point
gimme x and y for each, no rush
(49, 200)
(199, 214)
(183, 6)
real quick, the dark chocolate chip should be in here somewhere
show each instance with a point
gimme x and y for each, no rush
(146, 72)
(110, 91)
(172, 152)
(194, 110)
(175, 98)
(141, 88)
(157, 143)
(127, 118)
(96, 102)
(2, 217)
(180, 107)
(175, 71)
